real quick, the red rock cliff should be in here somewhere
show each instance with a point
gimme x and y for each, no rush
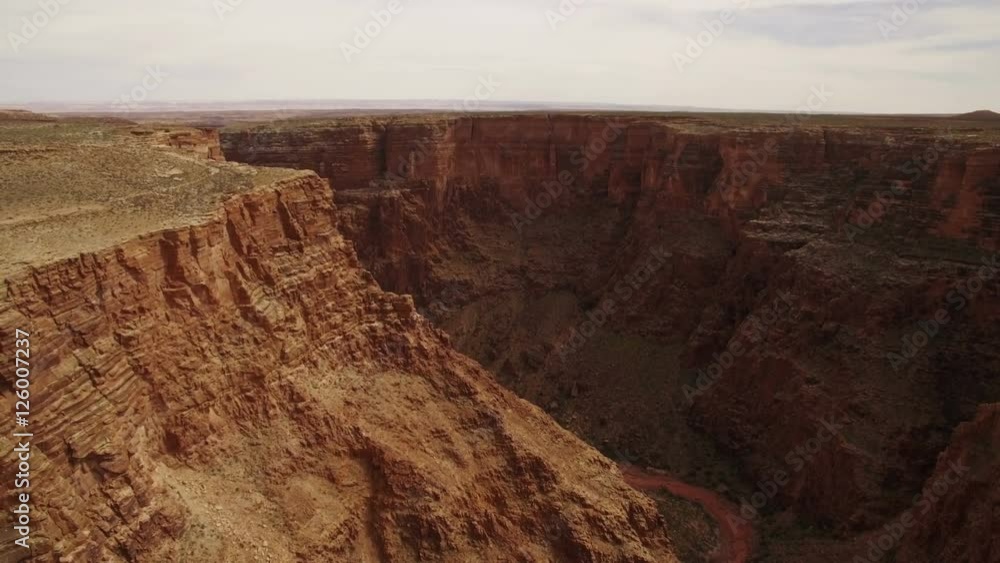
(239, 388)
(866, 230)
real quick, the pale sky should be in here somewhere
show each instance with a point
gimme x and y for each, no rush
(938, 56)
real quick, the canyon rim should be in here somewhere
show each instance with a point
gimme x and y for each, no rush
(275, 343)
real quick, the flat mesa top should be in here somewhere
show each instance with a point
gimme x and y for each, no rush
(68, 188)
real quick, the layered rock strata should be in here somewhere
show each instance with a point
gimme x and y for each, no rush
(791, 320)
(217, 378)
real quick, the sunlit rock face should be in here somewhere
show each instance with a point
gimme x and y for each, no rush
(219, 379)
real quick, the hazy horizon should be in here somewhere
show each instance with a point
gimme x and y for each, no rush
(403, 105)
(862, 56)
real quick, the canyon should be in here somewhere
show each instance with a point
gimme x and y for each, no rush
(215, 377)
(468, 337)
(798, 313)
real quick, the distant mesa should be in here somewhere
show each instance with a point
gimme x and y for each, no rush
(980, 115)
(23, 115)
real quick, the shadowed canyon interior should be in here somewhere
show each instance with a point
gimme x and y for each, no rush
(751, 304)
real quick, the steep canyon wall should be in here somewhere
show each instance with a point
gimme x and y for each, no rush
(798, 265)
(235, 386)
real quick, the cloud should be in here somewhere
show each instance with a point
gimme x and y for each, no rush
(976, 46)
(607, 51)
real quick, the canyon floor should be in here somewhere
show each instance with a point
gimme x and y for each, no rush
(522, 337)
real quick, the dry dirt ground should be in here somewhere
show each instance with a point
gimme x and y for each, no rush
(68, 188)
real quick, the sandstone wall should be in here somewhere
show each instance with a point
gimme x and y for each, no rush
(812, 214)
(243, 390)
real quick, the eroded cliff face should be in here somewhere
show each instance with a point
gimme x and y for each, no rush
(954, 518)
(603, 266)
(240, 389)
